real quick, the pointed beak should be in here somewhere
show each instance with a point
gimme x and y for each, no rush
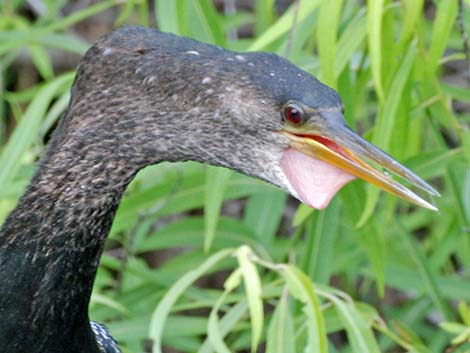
(338, 145)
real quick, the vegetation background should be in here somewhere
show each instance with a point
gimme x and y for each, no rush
(201, 259)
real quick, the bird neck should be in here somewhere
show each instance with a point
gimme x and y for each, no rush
(51, 244)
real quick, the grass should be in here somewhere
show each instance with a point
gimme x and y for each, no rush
(369, 274)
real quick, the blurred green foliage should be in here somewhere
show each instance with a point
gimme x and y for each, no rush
(388, 60)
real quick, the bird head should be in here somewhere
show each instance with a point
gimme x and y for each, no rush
(313, 152)
(253, 112)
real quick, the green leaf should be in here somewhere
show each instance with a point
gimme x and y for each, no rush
(190, 232)
(412, 12)
(372, 240)
(61, 41)
(41, 61)
(301, 287)
(168, 15)
(164, 198)
(284, 23)
(433, 164)
(464, 311)
(281, 333)
(216, 183)
(264, 10)
(25, 132)
(54, 113)
(327, 32)
(374, 25)
(263, 213)
(386, 121)
(165, 305)
(456, 92)
(452, 327)
(227, 323)
(429, 279)
(405, 279)
(202, 22)
(456, 181)
(319, 249)
(350, 41)
(445, 18)
(253, 293)
(302, 214)
(214, 328)
(359, 333)
(234, 280)
(79, 15)
(109, 302)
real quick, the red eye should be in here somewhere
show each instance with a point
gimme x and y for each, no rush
(294, 114)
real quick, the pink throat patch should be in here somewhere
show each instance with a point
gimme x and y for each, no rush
(315, 182)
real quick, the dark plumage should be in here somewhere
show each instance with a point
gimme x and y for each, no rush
(139, 97)
(106, 343)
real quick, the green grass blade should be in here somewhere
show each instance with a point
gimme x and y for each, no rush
(301, 287)
(264, 11)
(371, 238)
(203, 23)
(167, 16)
(162, 311)
(302, 213)
(215, 331)
(190, 194)
(319, 249)
(216, 183)
(26, 131)
(386, 121)
(230, 319)
(374, 25)
(327, 33)
(64, 42)
(263, 213)
(427, 276)
(445, 18)
(458, 93)
(433, 164)
(214, 328)
(190, 231)
(80, 15)
(350, 41)
(281, 333)
(466, 197)
(412, 10)
(284, 24)
(359, 333)
(253, 290)
(54, 113)
(41, 61)
(405, 279)
(456, 183)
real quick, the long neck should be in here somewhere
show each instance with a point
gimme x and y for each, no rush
(50, 247)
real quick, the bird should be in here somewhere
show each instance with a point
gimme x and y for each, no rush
(140, 97)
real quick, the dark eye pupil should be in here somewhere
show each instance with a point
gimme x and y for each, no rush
(293, 115)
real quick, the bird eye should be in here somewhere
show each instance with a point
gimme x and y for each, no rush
(294, 113)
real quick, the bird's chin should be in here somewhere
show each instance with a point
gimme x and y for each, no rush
(311, 180)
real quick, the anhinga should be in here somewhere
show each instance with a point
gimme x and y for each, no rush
(141, 97)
